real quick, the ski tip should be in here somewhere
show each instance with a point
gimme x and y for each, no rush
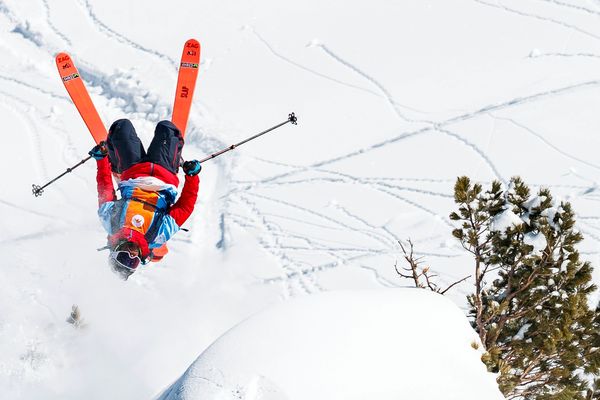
(62, 59)
(62, 55)
(64, 64)
(66, 67)
(192, 43)
(190, 57)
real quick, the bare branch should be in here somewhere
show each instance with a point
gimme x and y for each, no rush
(418, 273)
(412, 262)
(454, 284)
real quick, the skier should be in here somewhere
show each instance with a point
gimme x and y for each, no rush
(147, 215)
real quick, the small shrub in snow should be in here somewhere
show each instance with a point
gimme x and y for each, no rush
(533, 319)
(422, 277)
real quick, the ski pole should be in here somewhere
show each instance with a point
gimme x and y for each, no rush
(291, 119)
(38, 190)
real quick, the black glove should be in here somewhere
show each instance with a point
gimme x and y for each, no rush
(99, 151)
(192, 168)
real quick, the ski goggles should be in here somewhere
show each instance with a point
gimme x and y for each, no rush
(125, 260)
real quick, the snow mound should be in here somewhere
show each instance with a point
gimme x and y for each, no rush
(383, 344)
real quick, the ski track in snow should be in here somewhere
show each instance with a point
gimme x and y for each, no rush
(564, 24)
(487, 110)
(371, 183)
(6, 11)
(52, 26)
(34, 129)
(417, 205)
(588, 234)
(271, 243)
(287, 178)
(380, 185)
(572, 6)
(372, 80)
(378, 277)
(564, 55)
(40, 234)
(33, 212)
(30, 129)
(548, 143)
(477, 150)
(25, 31)
(342, 255)
(278, 247)
(40, 164)
(310, 212)
(102, 27)
(133, 100)
(37, 89)
(302, 67)
(380, 92)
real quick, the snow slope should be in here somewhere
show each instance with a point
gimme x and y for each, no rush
(344, 345)
(394, 99)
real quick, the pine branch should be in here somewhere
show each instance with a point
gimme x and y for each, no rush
(562, 337)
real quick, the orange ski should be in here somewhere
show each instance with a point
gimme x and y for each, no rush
(80, 96)
(186, 82)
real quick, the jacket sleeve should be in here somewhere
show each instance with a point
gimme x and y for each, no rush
(106, 191)
(182, 209)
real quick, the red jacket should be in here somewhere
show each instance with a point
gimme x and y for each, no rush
(180, 210)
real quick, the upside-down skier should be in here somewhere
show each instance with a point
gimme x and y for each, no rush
(148, 213)
(146, 216)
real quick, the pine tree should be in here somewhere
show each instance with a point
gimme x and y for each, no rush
(533, 319)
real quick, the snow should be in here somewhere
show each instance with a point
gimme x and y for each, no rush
(537, 240)
(520, 335)
(550, 214)
(533, 202)
(344, 345)
(394, 100)
(506, 219)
